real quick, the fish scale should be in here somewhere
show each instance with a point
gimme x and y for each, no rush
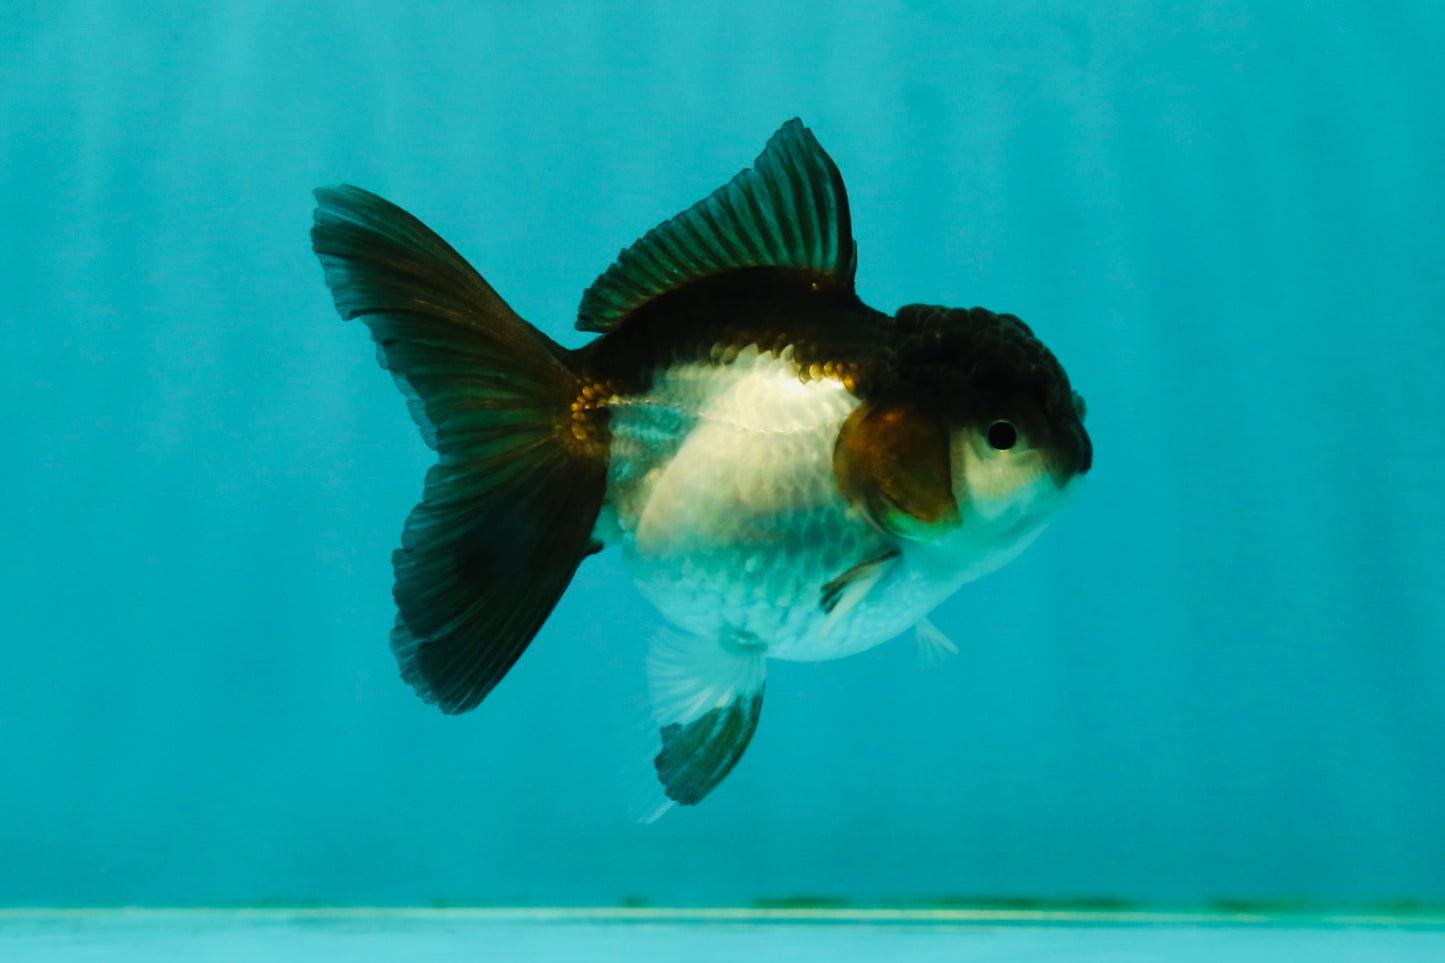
(728, 514)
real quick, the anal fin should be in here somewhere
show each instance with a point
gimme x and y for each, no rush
(930, 644)
(707, 695)
(696, 756)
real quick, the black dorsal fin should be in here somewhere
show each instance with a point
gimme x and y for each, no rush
(788, 210)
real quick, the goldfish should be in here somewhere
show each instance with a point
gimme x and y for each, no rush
(787, 472)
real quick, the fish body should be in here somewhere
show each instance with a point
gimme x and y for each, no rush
(788, 472)
(733, 524)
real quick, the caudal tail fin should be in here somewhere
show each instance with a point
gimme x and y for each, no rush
(508, 510)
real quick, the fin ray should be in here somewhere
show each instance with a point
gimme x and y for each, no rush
(507, 511)
(930, 644)
(789, 210)
(707, 696)
(844, 593)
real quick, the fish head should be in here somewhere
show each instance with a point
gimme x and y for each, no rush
(978, 441)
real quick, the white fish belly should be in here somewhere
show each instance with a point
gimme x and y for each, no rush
(722, 490)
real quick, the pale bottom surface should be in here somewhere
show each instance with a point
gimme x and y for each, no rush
(277, 936)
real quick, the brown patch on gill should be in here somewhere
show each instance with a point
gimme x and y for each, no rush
(892, 461)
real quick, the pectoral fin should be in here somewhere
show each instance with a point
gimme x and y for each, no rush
(848, 589)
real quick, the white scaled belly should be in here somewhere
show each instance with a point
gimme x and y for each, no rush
(722, 490)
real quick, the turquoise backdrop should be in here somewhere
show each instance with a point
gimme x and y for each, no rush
(1220, 676)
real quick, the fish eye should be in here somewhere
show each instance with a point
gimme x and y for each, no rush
(1002, 436)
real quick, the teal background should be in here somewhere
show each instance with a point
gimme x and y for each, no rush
(1220, 676)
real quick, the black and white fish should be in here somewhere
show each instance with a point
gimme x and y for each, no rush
(788, 473)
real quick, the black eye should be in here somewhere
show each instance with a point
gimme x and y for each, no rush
(1002, 435)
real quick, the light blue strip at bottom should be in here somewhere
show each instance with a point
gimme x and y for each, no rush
(705, 935)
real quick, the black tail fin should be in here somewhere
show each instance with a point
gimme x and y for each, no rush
(508, 509)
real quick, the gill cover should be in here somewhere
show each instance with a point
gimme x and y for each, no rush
(892, 462)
